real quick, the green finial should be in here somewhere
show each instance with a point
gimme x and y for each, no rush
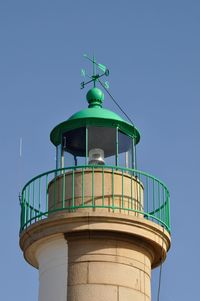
(95, 76)
(95, 97)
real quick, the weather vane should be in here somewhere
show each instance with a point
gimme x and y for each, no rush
(95, 76)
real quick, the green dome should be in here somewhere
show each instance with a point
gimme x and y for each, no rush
(96, 112)
(94, 115)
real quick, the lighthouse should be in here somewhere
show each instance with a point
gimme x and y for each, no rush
(95, 226)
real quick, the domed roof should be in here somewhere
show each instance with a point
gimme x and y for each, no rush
(96, 112)
(94, 115)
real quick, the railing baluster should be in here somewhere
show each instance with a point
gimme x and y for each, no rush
(140, 194)
(168, 202)
(63, 190)
(46, 193)
(153, 196)
(73, 189)
(28, 205)
(147, 196)
(83, 187)
(25, 207)
(159, 206)
(131, 191)
(163, 204)
(33, 194)
(103, 201)
(22, 211)
(54, 193)
(122, 188)
(113, 189)
(39, 204)
(93, 187)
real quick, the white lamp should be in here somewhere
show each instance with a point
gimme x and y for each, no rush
(96, 156)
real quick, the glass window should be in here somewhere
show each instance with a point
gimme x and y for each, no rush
(74, 142)
(68, 159)
(101, 145)
(101, 149)
(125, 150)
(58, 156)
(74, 147)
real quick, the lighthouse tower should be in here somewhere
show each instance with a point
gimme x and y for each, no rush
(95, 226)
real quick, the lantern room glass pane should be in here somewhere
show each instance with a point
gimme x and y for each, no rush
(58, 156)
(125, 150)
(68, 159)
(95, 145)
(101, 145)
(74, 142)
(74, 147)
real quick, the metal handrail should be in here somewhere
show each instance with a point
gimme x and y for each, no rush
(152, 201)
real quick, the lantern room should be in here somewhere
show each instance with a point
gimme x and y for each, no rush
(95, 136)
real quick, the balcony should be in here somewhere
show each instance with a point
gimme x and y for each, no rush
(95, 188)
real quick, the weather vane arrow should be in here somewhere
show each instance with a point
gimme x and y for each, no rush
(95, 76)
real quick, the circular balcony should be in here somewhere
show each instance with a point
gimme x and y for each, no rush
(95, 188)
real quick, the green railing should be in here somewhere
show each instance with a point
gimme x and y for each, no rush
(110, 188)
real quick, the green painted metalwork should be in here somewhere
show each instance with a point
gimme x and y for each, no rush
(113, 186)
(35, 194)
(103, 187)
(122, 189)
(93, 204)
(54, 191)
(63, 191)
(95, 98)
(39, 195)
(46, 192)
(95, 76)
(94, 116)
(131, 192)
(73, 191)
(86, 145)
(132, 155)
(147, 191)
(117, 146)
(83, 187)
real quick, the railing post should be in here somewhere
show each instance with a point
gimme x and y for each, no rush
(83, 187)
(102, 186)
(113, 189)
(122, 189)
(117, 147)
(93, 204)
(73, 190)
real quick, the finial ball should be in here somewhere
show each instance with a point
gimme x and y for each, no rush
(95, 97)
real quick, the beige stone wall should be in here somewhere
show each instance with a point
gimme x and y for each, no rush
(106, 269)
(144, 232)
(107, 191)
(110, 255)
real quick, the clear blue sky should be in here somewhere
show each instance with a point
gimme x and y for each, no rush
(153, 51)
